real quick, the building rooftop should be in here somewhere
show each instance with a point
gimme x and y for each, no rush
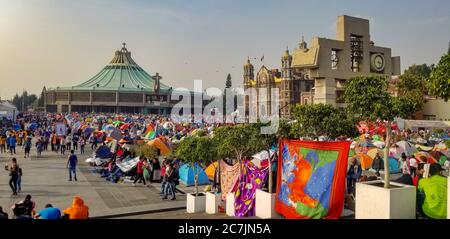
(122, 74)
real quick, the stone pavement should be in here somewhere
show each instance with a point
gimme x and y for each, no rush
(46, 180)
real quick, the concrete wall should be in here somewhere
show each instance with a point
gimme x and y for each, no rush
(436, 109)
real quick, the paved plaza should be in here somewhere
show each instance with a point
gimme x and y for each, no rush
(46, 180)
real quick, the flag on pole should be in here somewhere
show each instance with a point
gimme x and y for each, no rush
(262, 58)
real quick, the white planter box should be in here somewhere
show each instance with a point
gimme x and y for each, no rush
(377, 202)
(265, 205)
(212, 202)
(195, 204)
(230, 205)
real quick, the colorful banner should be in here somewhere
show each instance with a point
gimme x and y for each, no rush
(229, 176)
(311, 179)
(251, 178)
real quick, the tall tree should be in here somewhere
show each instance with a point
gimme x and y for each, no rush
(439, 82)
(228, 82)
(423, 70)
(321, 120)
(411, 91)
(197, 152)
(367, 97)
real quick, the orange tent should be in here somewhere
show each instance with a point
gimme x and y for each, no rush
(365, 160)
(158, 143)
(211, 170)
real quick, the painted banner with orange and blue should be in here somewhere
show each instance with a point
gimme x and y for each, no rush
(311, 179)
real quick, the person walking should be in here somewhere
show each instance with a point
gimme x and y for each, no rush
(68, 142)
(12, 141)
(19, 180)
(63, 145)
(82, 143)
(2, 144)
(140, 171)
(27, 147)
(39, 147)
(72, 165)
(13, 169)
(75, 140)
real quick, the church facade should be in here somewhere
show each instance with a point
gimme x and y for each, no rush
(317, 74)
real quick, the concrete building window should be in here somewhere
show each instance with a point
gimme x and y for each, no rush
(356, 52)
(334, 59)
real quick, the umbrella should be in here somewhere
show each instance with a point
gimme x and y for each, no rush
(406, 148)
(365, 160)
(88, 130)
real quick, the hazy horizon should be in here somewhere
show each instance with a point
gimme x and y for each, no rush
(63, 43)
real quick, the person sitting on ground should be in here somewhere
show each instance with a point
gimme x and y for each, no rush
(78, 210)
(435, 190)
(29, 205)
(49, 212)
(3, 215)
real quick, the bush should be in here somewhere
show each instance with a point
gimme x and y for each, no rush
(145, 150)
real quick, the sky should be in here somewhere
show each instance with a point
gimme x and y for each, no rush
(63, 42)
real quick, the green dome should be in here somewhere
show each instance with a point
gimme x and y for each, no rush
(122, 74)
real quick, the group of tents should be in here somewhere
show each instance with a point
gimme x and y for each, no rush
(365, 151)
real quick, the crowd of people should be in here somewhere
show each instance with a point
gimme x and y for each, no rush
(410, 164)
(70, 133)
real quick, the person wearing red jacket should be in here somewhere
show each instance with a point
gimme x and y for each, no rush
(140, 171)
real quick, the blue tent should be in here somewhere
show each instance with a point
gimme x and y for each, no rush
(393, 166)
(186, 172)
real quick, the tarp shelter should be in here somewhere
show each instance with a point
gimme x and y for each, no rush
(211, 170)
(186, 172)
(159, 144)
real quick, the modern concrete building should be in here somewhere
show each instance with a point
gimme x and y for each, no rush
(317, 73)
(121, 86)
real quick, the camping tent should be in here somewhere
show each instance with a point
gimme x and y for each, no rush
(211, 170)
(103, 152)
(365, 160)
(158, 143)
(186, 172)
